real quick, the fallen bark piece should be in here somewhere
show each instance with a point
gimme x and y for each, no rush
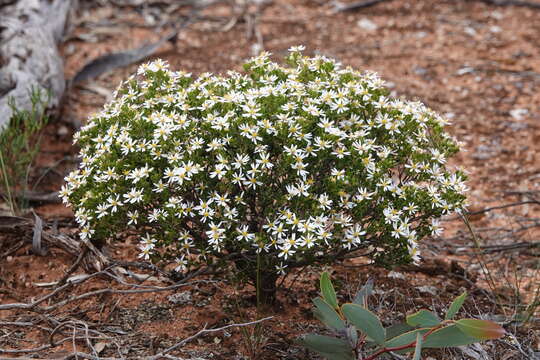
(29, 58)
(94, 259)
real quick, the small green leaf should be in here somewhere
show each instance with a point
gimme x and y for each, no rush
(327, 315)
(329, 347)
(327, 290)
(423, 318)
(455, 306)
(448, 336)
(418, 347)
(480, 329)
(365, 321)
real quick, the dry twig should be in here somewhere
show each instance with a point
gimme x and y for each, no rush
(340, 7)
(203, 332)
(519, 3)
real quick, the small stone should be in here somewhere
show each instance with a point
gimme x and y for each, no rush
(465, 70)
(62, 131)
(418, 70)
(519, 114)
(495, 29)
(426, 289)
(396, 275)
(497, 15)
(181, 298)
(367, 24)
(516, 126)
(469, 31)
(256, 49)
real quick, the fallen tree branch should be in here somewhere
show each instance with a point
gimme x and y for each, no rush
(113, 61)
(37, 197)
(29, 33)
(519, 3)
(33, 306)
(519, 203)
(93, 261)
(486, 249)
(203, 332)
(340, 7)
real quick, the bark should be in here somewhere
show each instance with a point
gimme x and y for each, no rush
(94, 259)
(29, 33)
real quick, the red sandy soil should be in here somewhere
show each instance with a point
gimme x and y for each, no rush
(477, 63)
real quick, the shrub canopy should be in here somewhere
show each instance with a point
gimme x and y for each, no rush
(294, 163)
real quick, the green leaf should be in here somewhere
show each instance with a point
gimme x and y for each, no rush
(327, 290)
(418, 347)
(423, 318)
(480, 329)
(397, 329)
(363, 293)
(448, 336)
(405, 338)
(365, 321)
(329, 347)
(455, 306)
(327, 315)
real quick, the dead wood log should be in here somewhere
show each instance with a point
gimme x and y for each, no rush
(94, 259)
(29, 33)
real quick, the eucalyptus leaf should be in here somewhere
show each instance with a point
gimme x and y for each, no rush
(327, 315)
(327, 290)
(448, 336)
(397, 329)
(418, 347)
(480, 329)
(365, 321)
(405, 338)
(329, 347)
(423, 318)
(455, 306)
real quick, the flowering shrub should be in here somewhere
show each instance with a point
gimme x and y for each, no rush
(281, 166)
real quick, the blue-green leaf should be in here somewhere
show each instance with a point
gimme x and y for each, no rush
(397, 329)
(448, 336)
(480, 329)
(405, 338)
(418, 347)
(327, 315)
(329, 347)
(365, 321)
(423, 318)
(327, 290)
(455, 306)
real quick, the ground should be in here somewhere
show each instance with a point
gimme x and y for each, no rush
(474, 62)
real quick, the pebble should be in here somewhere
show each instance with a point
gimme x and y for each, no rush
(426, 289)
(418, 70)
(367, 24)
(495, 29)
(518, 114)
(181, 298)
(62, 131)
(396, 275)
